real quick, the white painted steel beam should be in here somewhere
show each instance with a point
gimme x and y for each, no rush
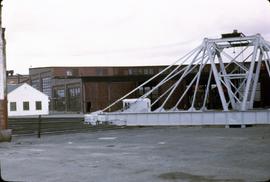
(171, 118)
(217, 79)
(249, 77)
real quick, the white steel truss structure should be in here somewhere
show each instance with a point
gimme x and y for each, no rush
(230, 65)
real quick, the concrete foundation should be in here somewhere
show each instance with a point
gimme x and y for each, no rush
(5, 135)
(3, 114)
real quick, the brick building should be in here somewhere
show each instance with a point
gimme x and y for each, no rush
(16, 79)
(87, 89)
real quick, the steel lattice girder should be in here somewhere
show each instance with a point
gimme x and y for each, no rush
(226, 69)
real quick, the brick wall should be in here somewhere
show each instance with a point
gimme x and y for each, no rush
(101, 94)
(3, 114)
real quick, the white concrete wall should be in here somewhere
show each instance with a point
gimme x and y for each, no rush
(31, 95)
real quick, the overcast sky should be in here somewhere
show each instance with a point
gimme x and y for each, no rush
(120, 32)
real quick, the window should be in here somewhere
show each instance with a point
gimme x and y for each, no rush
(146, 71)
(151, 71)
(145, 89)
(141, 91)
(74, 99)
(59, 102)
(13, 106)
(38, 105)
(130, 72)
(47, 86)
(74, 92)
(140, 71)
(69, 73)
(26, 106)
(35, 84)
(99, 71)
(60, 93)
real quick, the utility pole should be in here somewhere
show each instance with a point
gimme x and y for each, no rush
(5, 133)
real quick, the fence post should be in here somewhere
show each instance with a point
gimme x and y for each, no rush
(39, 126)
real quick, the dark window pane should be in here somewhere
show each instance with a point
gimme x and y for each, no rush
(59, 99)
(13, 106)
(26, 106)
(38, 105)
(74, 99)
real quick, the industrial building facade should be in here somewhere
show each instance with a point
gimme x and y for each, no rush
(87, 89)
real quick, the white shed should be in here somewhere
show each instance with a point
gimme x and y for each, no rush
(25, 100)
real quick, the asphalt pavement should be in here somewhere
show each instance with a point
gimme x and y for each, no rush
(141, 154)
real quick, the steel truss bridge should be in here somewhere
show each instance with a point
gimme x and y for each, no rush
(235, 63)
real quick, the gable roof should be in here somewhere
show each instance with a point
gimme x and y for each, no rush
(11, 87)
(15, 87)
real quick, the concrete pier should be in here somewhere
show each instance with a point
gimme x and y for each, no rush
(5, 135)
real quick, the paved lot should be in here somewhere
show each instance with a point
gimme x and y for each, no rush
(141, 154)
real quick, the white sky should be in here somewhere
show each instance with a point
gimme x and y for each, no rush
(120, 32)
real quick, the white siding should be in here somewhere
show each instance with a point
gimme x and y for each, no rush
(26, 93)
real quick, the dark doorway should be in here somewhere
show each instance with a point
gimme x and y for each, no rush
(88, 106)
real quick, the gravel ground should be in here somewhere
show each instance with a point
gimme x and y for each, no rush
(141, 154)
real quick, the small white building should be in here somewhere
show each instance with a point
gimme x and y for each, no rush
(25, 100)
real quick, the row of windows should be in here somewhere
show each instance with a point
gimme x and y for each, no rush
(69, 100)
(45, 87)
(141, 71)
(72, 92)
(26, 106)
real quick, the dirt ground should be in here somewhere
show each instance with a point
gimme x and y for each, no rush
(141, 154)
